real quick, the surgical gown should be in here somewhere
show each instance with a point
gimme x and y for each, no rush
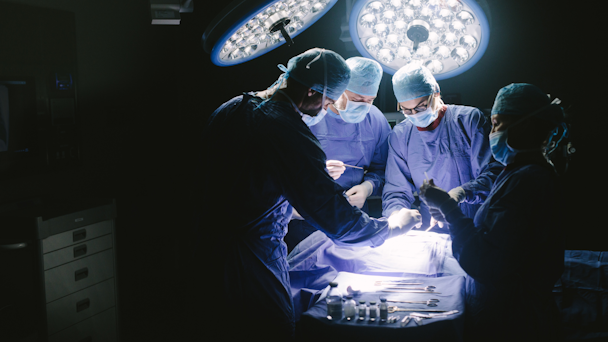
(362, 144)
(455, 153)
(255, 163)
(513, 254)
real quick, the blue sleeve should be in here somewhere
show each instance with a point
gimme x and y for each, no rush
(513, 230)
(300, 166)
(485, 169)
(399, 188)
(376, 171)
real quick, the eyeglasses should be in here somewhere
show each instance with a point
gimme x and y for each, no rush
(421, 107)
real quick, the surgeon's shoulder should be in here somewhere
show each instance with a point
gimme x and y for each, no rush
(534, 178)
(467, 115)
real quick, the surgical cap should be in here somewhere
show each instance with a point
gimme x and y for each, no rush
(413, 81)
(524, 98)
(316, 66)
(365, 76)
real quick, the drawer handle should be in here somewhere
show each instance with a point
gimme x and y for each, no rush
(81, 273)
(80, 250)
(83, 305)
(79, 235)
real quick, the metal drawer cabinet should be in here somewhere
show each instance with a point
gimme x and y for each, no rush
(64, 281)
(99, 328)
(79, 306)
(77, 275)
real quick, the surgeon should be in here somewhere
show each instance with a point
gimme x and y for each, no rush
(448, 143)
(259, 158)
(513, 249)
(354, 132)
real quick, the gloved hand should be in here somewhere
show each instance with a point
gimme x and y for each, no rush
(435, 197)
(335, 168)
(458, 194)
(359, 193)
(295, 215)
(401, 221)
(436, 218)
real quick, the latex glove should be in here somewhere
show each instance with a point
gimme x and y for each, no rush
(295, 215)
(436, 218)
(458, 194)
(359, 193)
(335, 168)
(436, 197)
(402, 221)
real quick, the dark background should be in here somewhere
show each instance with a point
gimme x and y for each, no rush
(143, 89)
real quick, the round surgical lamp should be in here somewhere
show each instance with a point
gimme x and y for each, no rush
(446, 36)
(247, 29)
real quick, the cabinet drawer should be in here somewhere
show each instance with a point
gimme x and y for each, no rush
(77, 251)
(99, 328)
(79, 274)
(79, 306)
(79, 235)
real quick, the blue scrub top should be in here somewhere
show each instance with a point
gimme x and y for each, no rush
(361, 144)
(456, 153)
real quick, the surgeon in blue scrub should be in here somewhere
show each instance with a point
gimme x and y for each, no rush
(259, 158)
(354, 132)
(448, 143)
(513, 249)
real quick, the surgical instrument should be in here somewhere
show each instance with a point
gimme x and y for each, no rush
(394, 282)
(429, 288)
(409, 291)
(353, 166)
(434, 315)
(393, 309)
(405, 320)
(430, 302)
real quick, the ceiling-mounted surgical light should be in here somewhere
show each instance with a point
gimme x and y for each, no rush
(247, 29)
(446, 36)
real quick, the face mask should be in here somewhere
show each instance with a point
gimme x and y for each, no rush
(501, 151)
(424, 118)
(308, 120)
(355, 112)
(312, 120)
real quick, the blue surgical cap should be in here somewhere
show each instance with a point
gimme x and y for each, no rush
(525, 99)
(413, 81)
(365, 76)
(321, 70)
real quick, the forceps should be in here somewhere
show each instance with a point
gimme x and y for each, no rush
(430, 302)
(353, 166)
(429, 288)
(394, 282)
(393, 309)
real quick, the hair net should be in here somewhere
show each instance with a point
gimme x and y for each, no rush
(413, 81)
(365, 76)
(321, 70)
(527, 99)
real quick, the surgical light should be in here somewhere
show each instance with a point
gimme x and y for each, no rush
(247, 29)
(447, 36)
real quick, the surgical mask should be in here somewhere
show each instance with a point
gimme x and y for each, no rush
(354, 112)
(313, 120)
(501, 150)
(424, 118)
(308, 120)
